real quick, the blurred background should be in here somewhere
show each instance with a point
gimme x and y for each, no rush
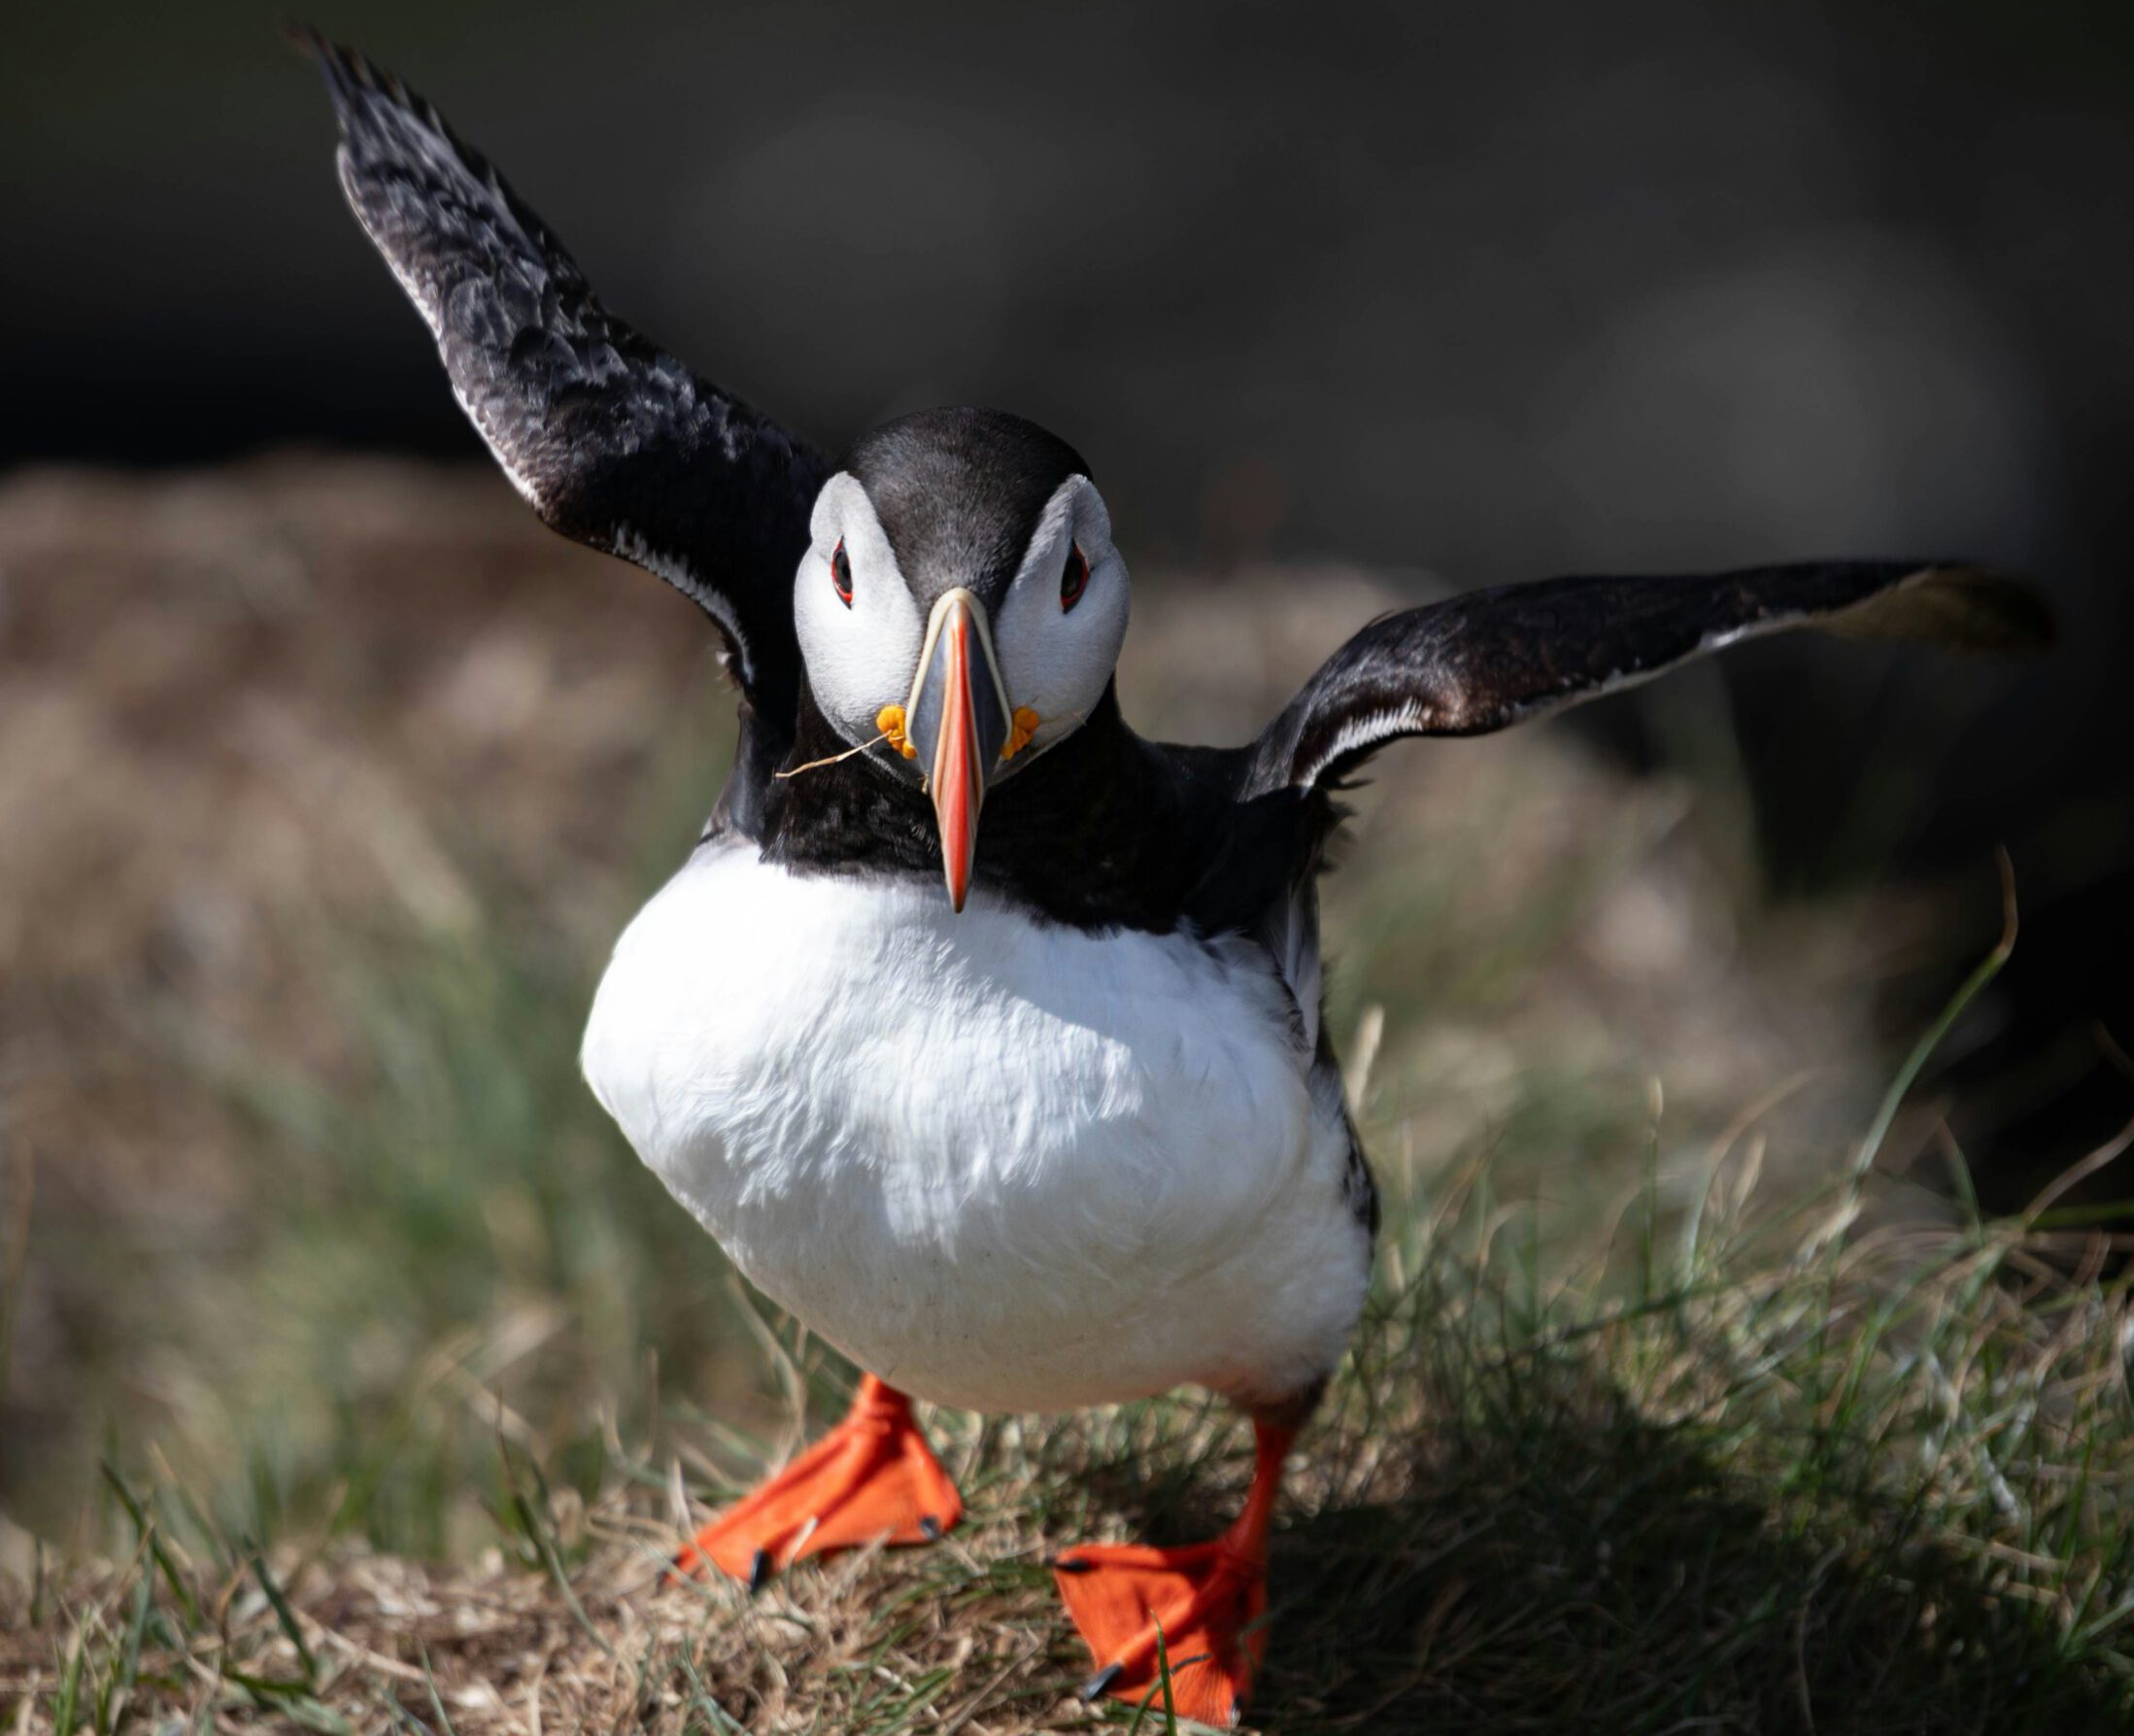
(326, 777)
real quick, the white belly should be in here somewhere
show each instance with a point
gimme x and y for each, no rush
(1003, 1165)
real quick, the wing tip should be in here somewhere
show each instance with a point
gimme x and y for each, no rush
(344, 71)
(1956, 603)
(384, 120)
(354, 82)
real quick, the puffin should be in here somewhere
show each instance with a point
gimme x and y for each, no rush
(982, 1034)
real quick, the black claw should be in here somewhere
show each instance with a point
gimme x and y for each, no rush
(1069, 1564)
(929, 1528)
(758, 1572)
(1103, 1679)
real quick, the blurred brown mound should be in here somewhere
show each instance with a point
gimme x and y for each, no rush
(231, 690)
(238, 708)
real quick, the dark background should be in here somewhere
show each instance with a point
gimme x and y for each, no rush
(1483, 295)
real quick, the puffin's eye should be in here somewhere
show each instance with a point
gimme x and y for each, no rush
(840, 574)
(1075, 579)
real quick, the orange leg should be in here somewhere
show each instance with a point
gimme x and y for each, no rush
(1205, 1597)
(871, 1476)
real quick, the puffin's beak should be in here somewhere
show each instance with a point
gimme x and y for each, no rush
(957, 720)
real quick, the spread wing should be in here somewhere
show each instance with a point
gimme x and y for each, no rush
(613, 441)
(1491, 659)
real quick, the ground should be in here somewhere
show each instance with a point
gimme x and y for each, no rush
(355, 1377)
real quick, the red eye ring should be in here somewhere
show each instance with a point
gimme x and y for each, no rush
(1074, 580)
(840, 574)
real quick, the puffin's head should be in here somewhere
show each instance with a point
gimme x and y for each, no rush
(960, 607)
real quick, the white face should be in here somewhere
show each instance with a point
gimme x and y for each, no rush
(1056, 649)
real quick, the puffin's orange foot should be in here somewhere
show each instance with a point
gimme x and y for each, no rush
(1208, 1598)
(873, 1476)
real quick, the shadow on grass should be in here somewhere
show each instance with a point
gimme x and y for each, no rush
(1586, 1570)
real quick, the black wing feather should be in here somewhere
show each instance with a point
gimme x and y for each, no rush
(614, 442)
(1490, 659)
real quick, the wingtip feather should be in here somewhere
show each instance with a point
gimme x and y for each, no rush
(347, 74)
(353, 81)
(305, 37)
(1973, 607)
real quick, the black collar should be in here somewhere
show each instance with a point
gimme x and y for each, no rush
(1104, 831)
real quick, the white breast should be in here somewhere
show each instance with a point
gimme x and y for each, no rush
(1005, 1165)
